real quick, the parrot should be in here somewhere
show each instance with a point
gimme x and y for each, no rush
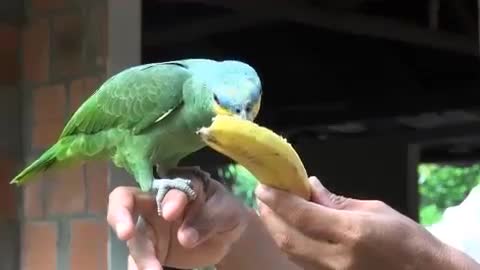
(146, 118)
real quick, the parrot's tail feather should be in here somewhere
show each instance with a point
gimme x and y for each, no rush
(44, 162)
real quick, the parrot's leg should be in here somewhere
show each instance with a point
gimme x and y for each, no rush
(163, 185)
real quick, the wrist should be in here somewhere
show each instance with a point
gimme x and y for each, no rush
(456, 259)
(441, 256)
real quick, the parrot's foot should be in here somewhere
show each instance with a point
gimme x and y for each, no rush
(164, 185)
(188, 171)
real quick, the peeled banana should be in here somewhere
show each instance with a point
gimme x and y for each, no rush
(267, 155)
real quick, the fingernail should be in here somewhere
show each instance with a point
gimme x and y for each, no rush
(258, 207)
(167, 208)
(315, 182)
(261, 191)
(121, 229)
(191, 235)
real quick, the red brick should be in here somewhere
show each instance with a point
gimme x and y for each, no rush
(91, 85)
(88, 245)
(49, 104)
(97, 42)
(67, 43)
(36, 51)
(32, 199)
(9, 43)
(8, 205)
(46, 134)
(39, 246)
(47, 5)
(65, 192)
(77, 95)
(80, 90)
(97, 183)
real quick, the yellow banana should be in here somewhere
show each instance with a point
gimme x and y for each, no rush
(267, 155)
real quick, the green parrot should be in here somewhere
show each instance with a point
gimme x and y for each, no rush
(148, 116)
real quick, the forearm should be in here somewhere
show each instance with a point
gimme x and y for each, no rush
(255, 250)
(440, 256)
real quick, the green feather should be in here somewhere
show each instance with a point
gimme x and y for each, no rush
(127, 120)
(45, 161)
(143, 116)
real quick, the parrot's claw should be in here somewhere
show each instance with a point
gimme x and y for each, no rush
(198, 173)
(164, 185)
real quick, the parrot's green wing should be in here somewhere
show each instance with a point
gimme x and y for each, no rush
(133, 99)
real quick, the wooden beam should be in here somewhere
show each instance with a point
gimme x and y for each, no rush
(478, 38)
(433, 13)
(463, 16)
(200, 29)
(353, 23)
(12, 11)
(417, 136)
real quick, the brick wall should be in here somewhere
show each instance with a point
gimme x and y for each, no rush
(56, 59)
(10, 144)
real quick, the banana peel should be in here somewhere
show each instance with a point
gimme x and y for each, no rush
(267, 155)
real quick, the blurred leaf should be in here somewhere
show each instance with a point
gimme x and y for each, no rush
(241, 182)
(430, 214)
(443, 186)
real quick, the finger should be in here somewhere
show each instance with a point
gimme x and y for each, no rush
(175, 202)
(173, 205)
(298, 212)
(188, 237)
(189, 232)
(320, 194)
(323, 196)
(300, 248)
(123, 205)
(142, 249)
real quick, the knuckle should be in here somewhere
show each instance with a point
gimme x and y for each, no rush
(376, 205)
(299, 216)
(340, 202)
(346, 263)
(284, 242)
(263, 211)
(116, 192)
(354, 235)
(351, 233)
(130, 244)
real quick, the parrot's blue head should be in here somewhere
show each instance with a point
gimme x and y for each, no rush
(237, 90)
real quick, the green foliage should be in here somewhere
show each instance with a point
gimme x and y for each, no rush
(443, 186)
(241, 181)
(430, 214)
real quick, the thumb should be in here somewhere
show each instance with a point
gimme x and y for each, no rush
(321, 195)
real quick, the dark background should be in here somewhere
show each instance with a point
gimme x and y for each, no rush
(364, 89)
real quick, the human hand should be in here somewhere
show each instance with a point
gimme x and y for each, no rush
(188, 235)
(332, 232)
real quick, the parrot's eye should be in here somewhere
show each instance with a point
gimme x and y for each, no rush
(216, 99)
